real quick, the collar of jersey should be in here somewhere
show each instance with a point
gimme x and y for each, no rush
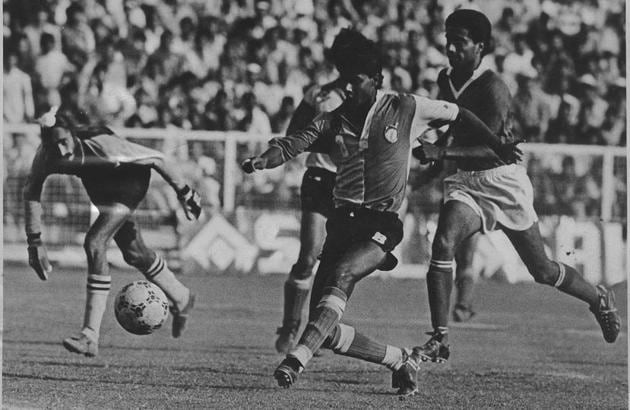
(476, 74)
(365, 133)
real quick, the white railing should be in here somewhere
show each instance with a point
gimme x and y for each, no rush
(232, 138)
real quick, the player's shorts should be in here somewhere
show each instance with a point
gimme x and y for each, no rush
(347, 226)
(126, 184)
(317, 191)
(501, 196)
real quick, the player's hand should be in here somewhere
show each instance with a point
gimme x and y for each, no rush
(510, 153)
(191, 202)
(252, 164)
(37, 256)
(427, 153)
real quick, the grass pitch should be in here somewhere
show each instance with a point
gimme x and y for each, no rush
(529, 347)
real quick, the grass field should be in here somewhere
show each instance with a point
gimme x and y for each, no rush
(529, 347)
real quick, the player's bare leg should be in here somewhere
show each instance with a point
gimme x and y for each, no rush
(97, 240)
(299, 283)
(152, 266)
(357, 262)
(457, 222)
(465, 279)
(529, 245)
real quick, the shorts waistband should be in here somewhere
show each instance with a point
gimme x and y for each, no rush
(500, 170)
(349, 209)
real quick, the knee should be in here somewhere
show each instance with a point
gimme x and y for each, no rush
(443, 247)
(303, 268)
(94, 246)
(345, 278)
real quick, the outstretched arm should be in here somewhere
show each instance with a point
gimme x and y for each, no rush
(283, 149)
(37, 257)
(188, 197)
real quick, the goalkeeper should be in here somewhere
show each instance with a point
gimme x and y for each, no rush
(115, 174)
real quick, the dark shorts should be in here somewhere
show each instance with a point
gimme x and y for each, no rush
(317, 191)
(126, 184)
(347, 226)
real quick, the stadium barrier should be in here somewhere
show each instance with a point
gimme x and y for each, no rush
(251, 223)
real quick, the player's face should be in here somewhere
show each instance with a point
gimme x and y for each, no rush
(361, 90)
(64, 142)
(461, 50)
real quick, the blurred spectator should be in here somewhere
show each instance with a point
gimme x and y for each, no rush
(530, 108)
(17, 91)
(615, 122)
(217, 114)
(107, 102)
(50, 68)
(592, 113)
(168, 63)
(40, 26)
(280, 121)
(77, 38)
(545, 200)
(254, 120)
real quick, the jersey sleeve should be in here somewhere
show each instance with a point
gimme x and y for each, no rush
(431, 111)
(309, 138)
(115, 149)
(40, 170)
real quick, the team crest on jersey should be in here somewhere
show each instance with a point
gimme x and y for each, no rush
(391, 133)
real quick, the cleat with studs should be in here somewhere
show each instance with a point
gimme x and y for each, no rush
(434, 350)
(405, 378)
(606, 314)
(286, 374)
(81, 344)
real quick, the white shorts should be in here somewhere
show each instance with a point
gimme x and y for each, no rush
(502, 195)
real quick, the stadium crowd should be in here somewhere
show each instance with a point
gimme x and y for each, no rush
(243, 65)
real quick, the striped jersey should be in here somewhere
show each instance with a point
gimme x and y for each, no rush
(94, 158)
(372, 163)
(322, 99)
(485, 95)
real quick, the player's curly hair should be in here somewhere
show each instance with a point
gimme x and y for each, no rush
(352, 53)
(477, 24)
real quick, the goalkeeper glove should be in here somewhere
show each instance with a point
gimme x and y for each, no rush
(191, 202)
(37, 257)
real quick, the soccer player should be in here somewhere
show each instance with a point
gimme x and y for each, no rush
(316, 204)
(369, 138)
(487, 194)
(115, 174)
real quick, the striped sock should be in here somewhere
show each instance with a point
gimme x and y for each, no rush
(295, 298)
(572, 283)
(98, 287)
(325, 318)
(165, 279)
(439, 285)
(346, 341)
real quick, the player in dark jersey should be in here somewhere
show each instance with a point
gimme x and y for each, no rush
(115, 174)
(486, 194)
(316, 204)
(369, 138)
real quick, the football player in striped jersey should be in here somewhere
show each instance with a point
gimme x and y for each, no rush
(369, 137)
(115, 174)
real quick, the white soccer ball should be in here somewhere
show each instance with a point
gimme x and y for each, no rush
(141, 307)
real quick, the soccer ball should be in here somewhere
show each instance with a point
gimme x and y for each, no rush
(141, 307)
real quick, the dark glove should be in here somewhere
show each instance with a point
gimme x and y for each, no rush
(37, 257)
(252, 164)
(191, 202)
(510, 153)
(427, 153)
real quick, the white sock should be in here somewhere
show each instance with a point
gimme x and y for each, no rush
(98, 287)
